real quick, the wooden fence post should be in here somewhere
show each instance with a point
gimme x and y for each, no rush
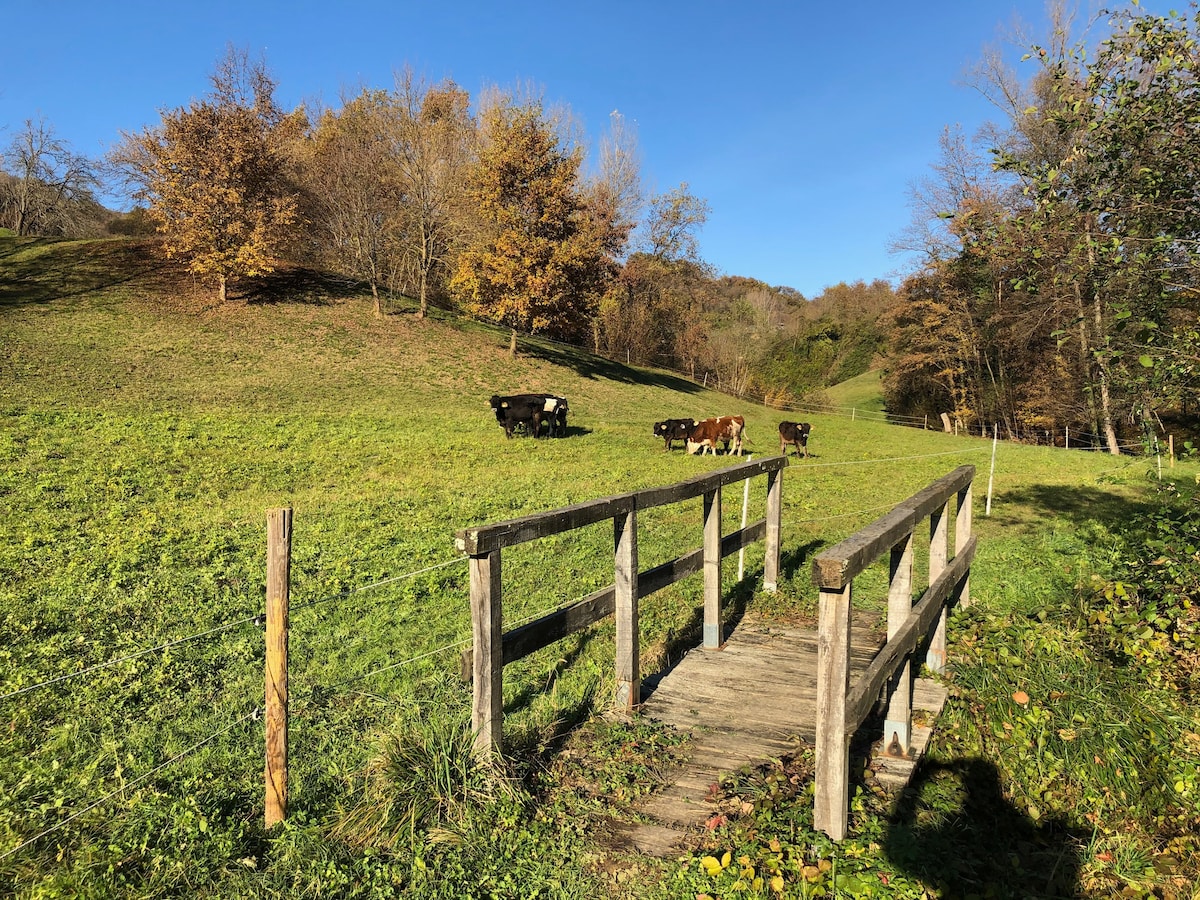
(773, 536)
(629, 681)
(712, 569)
(897, 727)
(935, 656)
(832, 777)
(487, 705)
(275, 726)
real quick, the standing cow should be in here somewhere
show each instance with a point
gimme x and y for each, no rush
(672, 430)
(795, 433)
(531, 411)
(707, 432)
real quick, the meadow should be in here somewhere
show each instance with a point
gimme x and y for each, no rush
(145, 433)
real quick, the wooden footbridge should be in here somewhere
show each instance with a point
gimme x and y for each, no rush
(756, 693)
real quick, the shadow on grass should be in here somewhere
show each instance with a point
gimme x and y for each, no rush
(298, 285)
(588, 366)
(953, 827)
(1080, 505)
(43, 270)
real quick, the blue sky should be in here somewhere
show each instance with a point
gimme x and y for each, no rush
(802, 124)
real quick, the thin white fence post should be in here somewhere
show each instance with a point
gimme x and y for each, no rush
(992, 471)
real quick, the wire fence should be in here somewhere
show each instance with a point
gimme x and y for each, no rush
(326, 689)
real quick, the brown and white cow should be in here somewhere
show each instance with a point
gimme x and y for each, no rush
(707, 432)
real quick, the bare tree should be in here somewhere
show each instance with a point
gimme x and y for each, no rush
(49, 184)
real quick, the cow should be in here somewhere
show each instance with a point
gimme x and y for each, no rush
(725, 429)
(794, 433)
(672, 430)
(531, 411)
(556, 408)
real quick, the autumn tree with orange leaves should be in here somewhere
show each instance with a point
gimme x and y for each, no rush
(539, 255)
(214, 175)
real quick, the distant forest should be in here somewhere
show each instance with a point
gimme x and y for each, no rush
(1058, 287)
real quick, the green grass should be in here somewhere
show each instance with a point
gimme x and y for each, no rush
(863, 393)
(144, 432)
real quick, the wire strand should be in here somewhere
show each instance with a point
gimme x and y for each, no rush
(255, 713)
(127, 657)
(377, 584)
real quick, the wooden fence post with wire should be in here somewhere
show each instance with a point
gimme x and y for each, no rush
(843, 707)
(493, 648)
(279, 554)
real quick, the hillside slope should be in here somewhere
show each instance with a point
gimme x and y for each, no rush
(145, 432)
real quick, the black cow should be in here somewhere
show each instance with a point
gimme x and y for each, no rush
(794, 433)
(673, 430)
(530, 411)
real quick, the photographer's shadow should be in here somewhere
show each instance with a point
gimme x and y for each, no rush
(985, 847)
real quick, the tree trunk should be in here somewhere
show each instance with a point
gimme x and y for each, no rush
(423, 291)
(375, 294)
(221, 293)
(512, 345)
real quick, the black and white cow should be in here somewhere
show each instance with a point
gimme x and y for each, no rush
(795, 433)
(531, 411)
(671, 430)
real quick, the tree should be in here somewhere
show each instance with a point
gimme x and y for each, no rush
(355, 192)
(49, 187)
(433, 149)
(675, 218)
(214, 175)
(537, 260)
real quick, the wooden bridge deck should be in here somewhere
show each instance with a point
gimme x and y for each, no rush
(753, 700)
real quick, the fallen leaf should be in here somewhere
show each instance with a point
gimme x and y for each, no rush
(1021, 697)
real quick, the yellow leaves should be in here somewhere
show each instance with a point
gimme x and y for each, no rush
(713, 867)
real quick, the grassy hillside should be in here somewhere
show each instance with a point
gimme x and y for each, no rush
(863, 392)
(145, 432)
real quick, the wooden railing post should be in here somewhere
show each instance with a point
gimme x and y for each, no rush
(629, 682)
(774, 530)
(712, 569)
(897, 727)
(935, 656)
(832, 776)
(962, 534)
(487, 705)
(275, 725)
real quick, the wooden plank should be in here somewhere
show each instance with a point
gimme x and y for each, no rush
(275, 724)
(598, 605)
(774, 519)
(628, 652)
(487, 701)
(707, 482)
(897, 726)
(866, 689)
(836, 567)
(832, 776)
(939, 519)
(925, 501)
(712, 569)
(486, 538)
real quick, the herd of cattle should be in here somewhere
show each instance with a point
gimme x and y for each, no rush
(530, 412)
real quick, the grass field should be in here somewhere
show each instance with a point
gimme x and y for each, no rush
(145, 432)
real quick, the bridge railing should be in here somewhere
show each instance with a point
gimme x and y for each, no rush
(843, 707)
(492, 647)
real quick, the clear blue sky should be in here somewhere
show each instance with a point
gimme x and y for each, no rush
(802, 124)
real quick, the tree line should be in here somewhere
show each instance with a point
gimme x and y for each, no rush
(1060, 283)
(1056, 290)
